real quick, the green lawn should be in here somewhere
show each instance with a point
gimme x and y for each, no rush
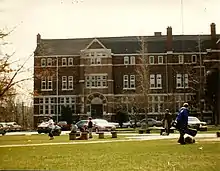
(43, 138)
(118, 156)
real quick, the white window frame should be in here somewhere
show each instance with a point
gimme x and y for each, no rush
(125, 82)
(159, 81)
(46, 108)
(194, 57)
(70, 82)
(64, 62)
(132, 81)
(41, 109)
(160, 59)
(49, 62)
(64, 82)
(43, 62)
(96, 81)
(152, 81)
(98, 61)
(49, 83)
(126, 60)
(179, 81)
(151, 59)
(181, 59)
(43, 83)
(132, 59)
(186, 80)
(70, 61)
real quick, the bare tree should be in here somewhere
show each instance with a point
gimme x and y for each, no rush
(142, 71)
(9, 76)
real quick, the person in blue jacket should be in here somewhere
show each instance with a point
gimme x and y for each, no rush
(182, 122)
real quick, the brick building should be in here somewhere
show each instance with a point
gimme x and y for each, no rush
(94, 76)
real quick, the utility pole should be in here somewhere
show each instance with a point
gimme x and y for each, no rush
(57, 87)
(200, 76)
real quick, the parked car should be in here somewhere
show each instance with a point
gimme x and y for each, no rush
(2, 129)
(127, 124)
(13, 126)
(6, 127)
(44, 128)
(151, 122)
(64, 126)
(81, 124)
(194, 122)
(115, 124)
(98, 125)
(102, 125)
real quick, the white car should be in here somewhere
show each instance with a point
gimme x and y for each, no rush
(194, 122)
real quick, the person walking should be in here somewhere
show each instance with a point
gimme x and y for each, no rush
(51, 128)
(167, 121)
(182, 122)
(90, 125)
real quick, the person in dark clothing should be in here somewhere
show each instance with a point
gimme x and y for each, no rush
(90, 125)
(182, 122)
(167, 121)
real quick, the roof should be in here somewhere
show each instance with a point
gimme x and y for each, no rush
(123, 45)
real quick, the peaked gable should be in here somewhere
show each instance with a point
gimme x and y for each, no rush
(95, 44)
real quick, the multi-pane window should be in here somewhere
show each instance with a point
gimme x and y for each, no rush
(41, 109)
(70, 82)
(132, 59)
(64, 63)
(186, 80)
(194, 58)
(125, 81)
(46, 100)
(43, 83)
(96, 81)
(43, 62)
(152, 81)
(132, 81)
(41, 100)
(159, 81)
(46, 109)
(70, 61)
(181, 59)
(155, 81)
(52, 109)
(49, 83)
(129, 83)
(182, 81)
(160, 59)
(126, 60)
(178, 80)
(49, 62)
(151, 59)
(95, 61)
(64, 82)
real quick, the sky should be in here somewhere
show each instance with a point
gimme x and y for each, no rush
(95, 18)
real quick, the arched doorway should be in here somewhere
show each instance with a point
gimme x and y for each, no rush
(96, 108)
(96, 105)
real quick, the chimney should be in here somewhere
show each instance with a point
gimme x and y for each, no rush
(169, 39)
(38, 38)
(213, 36)
(157, 33)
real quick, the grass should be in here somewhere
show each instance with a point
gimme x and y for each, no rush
(42, 138)
(152, 155)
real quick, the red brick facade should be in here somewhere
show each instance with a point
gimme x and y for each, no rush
(95, 74)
